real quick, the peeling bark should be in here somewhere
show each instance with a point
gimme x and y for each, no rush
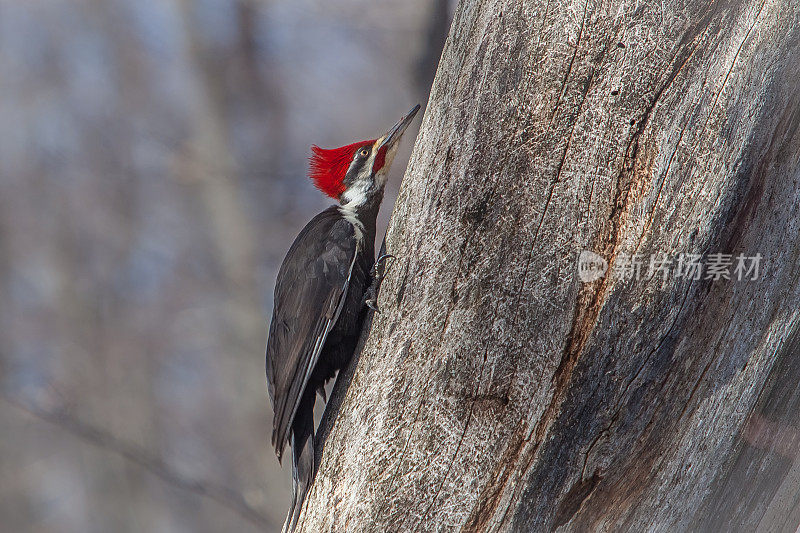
(496, 391)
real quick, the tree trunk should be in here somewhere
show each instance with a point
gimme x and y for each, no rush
(499, 392)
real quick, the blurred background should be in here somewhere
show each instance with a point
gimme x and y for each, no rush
(153, 163)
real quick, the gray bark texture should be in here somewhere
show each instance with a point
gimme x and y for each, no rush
(496, 391)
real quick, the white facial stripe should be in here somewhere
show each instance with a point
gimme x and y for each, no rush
(356, 195)
(351, 217)
(352, 199)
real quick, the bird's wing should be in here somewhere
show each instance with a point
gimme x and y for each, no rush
(309, 295)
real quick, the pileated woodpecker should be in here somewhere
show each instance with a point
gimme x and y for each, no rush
(328, 277)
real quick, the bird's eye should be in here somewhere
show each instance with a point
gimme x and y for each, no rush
(364, 152)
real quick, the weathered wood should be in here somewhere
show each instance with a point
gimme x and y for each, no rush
(497, 392)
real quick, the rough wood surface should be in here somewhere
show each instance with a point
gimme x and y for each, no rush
(497, 392)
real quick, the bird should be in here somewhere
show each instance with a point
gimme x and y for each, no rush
(325, 284)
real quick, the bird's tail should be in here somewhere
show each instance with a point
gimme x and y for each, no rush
(302, 457)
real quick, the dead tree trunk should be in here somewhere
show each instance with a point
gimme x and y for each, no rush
(498, 392)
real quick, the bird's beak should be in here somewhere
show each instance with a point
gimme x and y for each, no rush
(394, 134)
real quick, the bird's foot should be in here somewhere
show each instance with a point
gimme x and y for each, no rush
(379, 268)
(378, 273)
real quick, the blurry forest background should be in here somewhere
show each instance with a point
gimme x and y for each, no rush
(152, 175)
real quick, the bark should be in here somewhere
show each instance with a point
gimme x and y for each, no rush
(496, 391)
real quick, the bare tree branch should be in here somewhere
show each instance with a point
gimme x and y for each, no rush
(100, 438)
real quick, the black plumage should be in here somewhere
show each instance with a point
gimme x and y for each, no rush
(324, 285)
(317, 318)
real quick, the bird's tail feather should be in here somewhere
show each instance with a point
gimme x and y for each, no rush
(302, 443)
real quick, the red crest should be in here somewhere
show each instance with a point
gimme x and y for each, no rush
(329, 166)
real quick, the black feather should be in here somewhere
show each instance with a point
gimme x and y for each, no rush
(324, 273)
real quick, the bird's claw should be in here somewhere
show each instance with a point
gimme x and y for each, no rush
(379, 268)
(378, 273)
(372, 303)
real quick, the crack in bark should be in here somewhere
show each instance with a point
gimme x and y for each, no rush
(584, 321)
(677, 144)
(571, 61)
(461, 439)
(483, 511)
(735, 57)
(467, 242)
(722, 87)
(541, 26)
(683, 302)
(396, 473)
